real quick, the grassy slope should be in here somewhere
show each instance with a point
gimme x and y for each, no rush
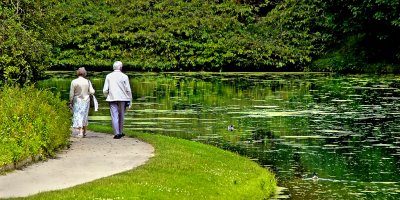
(180, 169)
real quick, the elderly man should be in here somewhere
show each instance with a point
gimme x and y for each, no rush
(119, 95)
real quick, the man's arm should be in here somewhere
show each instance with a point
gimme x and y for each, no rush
(128, 91)
(106, 87)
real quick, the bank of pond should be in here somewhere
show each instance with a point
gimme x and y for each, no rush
(342, 128)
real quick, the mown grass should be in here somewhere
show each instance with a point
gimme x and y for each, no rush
(180, 169)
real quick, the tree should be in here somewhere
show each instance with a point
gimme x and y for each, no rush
(24, 55)
(376, 24)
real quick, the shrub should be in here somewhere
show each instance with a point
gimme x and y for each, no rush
(32, 122)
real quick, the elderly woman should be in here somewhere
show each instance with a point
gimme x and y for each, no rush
(79, 100)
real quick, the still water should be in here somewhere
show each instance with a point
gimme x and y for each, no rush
(346, 129)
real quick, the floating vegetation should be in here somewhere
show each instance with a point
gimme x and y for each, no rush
(382, 145)
(269, 107)
(142, 123)
(331, 145)
(267, 114)
(307, 137)
(146, 129)
(337, 132)
(342, 100)
(99, 118)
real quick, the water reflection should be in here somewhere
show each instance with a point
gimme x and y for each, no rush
(344, 128)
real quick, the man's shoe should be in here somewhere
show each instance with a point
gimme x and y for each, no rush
(117, 136)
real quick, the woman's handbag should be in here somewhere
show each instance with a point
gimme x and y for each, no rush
(93, 101)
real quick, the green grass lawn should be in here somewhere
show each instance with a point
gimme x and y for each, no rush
(180, 169)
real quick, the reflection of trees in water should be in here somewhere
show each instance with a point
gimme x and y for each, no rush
(298, 168)
(262, 134)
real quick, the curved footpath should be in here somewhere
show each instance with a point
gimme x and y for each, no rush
(95, 156)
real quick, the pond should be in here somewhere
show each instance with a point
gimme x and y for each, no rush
(346, 129)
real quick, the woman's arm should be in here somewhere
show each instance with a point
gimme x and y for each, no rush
(71, 92)
(91, 89)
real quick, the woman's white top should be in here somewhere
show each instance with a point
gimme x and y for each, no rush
(80, 88)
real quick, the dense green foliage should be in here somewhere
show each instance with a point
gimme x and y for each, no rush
(214, 35)
(366, 36)
(32, 122)
(180, 169)
(24, 52)
(188, 35)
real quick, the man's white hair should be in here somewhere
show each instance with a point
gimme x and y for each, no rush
(117, 65)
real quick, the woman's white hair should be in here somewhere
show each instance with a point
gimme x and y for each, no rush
(117, 65)
(81, 72)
